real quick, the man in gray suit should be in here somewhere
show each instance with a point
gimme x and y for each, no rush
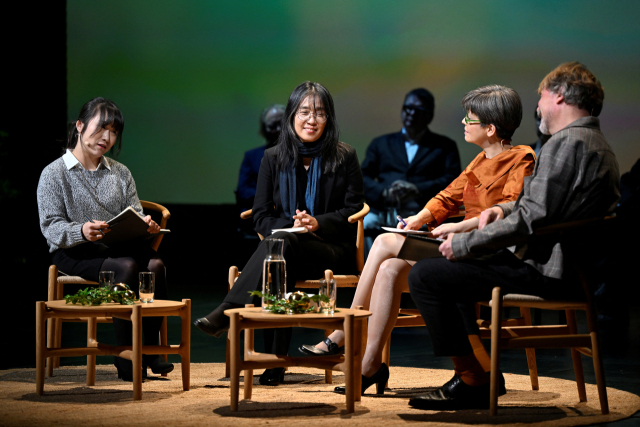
(576, 177)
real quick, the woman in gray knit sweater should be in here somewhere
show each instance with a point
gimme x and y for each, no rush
(84, 184)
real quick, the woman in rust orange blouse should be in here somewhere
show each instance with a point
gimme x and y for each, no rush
(496, 175)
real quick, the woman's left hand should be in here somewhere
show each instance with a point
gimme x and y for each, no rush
(444, 230)
(302, 219)
(153, 226)
(446, 250)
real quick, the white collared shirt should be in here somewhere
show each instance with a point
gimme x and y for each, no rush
(70, 161)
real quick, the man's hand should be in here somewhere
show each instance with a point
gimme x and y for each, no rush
(403, 189)
(445, 248)
(490, 215)
(302, 219)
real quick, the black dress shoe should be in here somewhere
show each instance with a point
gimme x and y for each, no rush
(313, 351)
(454, 395)
(125, 369)
(272, 377)
(157, 364)
(380, 379)
(205, 326)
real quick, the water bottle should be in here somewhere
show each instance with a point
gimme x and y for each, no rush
(274, 272)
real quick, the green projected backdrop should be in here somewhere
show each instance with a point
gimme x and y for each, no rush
(192, 77)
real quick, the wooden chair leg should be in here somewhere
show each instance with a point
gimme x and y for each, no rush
(227, 364)
(525, 312)
(92, 332)
(598, 366)
(576, 356)
(386, 355)
(163, 338)
(57, 340)
(496, 323)
(40, 347)
(50, 344)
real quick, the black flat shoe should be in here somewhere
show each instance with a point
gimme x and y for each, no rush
(157, 364)
(272, 377)
(454, 395)
(205, 326)
(311, 350)
(380, 379)
(125, 369)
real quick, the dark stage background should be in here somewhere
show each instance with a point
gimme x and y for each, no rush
(192, 77)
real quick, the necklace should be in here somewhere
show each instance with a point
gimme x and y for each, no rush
(94, 187)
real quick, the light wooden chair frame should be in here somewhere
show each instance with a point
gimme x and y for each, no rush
(506, 334)
(342, 280)
(57, 280)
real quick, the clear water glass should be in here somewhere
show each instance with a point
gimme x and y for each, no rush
(106, 278)
(274, 271)
(330, 290)
(147, 286)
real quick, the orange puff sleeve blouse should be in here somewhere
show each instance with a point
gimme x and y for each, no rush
(484, 183)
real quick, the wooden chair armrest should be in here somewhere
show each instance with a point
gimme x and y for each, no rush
(156, 207)
(359, 215)
(246, 214)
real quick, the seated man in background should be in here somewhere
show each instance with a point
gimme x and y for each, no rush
(576, 177)
(270, 127)
(404, 170)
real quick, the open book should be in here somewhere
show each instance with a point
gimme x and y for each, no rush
(406, 232)
(128, 225)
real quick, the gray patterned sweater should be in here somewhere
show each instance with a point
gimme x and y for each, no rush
(66, 195)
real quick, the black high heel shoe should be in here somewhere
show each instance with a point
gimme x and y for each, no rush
(380, 379)
(272, 377)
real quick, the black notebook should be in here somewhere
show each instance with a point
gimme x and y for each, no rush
(128, 225)
(416, 247)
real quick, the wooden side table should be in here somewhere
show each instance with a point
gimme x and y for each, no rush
(159, 308)
(352, 322)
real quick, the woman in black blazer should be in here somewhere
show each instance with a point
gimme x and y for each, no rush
(309, 179)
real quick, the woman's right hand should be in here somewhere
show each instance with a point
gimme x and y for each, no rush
(91, 230)
(416, 221)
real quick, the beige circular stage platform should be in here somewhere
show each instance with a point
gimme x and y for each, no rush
(303, 400)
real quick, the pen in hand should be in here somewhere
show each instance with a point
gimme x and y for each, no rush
(399, 218)
(89, 219)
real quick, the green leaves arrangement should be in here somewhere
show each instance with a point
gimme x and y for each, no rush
(99, 295)
(298, 302)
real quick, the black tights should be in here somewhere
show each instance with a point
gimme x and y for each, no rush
(126, 271)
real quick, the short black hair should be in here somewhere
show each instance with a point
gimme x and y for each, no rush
(109, 114)
(495, 105)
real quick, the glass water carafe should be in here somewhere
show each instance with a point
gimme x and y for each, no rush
(274, 272)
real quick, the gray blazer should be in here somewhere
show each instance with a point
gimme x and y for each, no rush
(576, 177)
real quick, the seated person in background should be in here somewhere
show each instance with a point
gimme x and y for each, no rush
(270, 127)
(576, 177)
(403, 170)
(309, 179)
(84, 184)
(542, 138)
(496, 175)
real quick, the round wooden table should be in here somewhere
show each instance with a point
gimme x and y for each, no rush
(159, 308)
(351, 321)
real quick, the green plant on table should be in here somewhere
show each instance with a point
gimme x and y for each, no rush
(98, 295)
(298, 302)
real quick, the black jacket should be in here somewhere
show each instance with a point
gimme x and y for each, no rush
(435, 165)
(341, 195)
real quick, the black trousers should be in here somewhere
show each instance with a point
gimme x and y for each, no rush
(445, 293)
(306, 257)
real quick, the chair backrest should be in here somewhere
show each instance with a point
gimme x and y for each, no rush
(150, 206)
(359, 217)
